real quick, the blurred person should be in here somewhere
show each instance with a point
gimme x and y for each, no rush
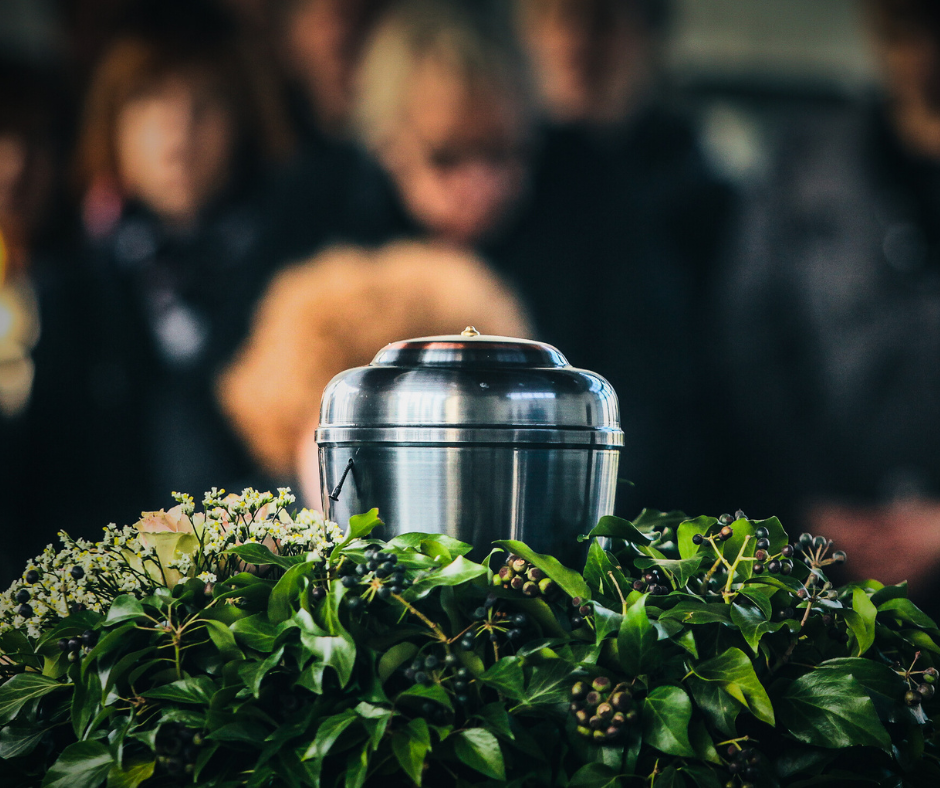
(321, 44)
(179, 127)
(305, 333)
(831, 319)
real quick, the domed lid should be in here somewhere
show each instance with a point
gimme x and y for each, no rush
(499, 388)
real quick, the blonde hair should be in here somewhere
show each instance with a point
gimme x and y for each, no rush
(336, 312)
(469, 40)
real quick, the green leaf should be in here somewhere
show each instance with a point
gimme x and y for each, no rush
(430, 544)
(692, 612)
(458, 571)
(861, 620)
(360, 525)
(21, 689)
(479, 749)
(338, 653)
(86, 703)
(885, 687)
(260, 555)
(434, 692)
(253, 672)
(549, 683)
(734, 673)
(680, 571)
(666, 714)
(394, 658)
(883, 594)
(595, 775)
(603, 575)
(905, 610)
(702, 743)
(568, 580)
(753, 624)
(256, 632)
(286, 593)
(18, 740)
(831, 709)
(223, 639)
(636, 641)
(701, 775)
(196, 689)
(124, 608)
(507, 677)
(84, 764)
(495, 716)
(618, 528)
(670, 778)
(133, 773)
(328, 732)
(688, 529)
(410, 745)
(719, 708)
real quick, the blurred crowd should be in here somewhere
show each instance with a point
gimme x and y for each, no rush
(208, 208)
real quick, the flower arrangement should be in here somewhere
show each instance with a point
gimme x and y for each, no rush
(244, 645)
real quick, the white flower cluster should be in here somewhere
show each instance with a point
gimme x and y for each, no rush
(82, 576)
(86, 575)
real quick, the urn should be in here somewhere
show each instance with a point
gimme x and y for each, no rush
(473, 436)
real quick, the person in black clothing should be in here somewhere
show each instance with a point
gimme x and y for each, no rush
(139, 316)
(831, 320)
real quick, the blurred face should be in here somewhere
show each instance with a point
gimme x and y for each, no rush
(324, 39)
(174, 145)
(458, 158)
(911, 57)
(588, 57)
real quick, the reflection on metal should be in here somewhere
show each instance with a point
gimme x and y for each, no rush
(477, 437)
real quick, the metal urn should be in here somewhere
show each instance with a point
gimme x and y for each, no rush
(477, 437)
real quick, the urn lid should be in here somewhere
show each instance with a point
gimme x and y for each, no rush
(476, 388)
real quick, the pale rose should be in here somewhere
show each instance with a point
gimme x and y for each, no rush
(173, 520)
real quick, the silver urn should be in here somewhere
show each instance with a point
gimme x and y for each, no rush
(477, 437)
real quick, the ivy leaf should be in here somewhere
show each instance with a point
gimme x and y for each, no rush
(680, 571)
(885, 687)
(286, 592)
(861, 620)
(689, 611)
(338, 653)
(753, 624)
(701, 775)
(883, 594)
(256, 632)
(132, 774)
(21, 689)
(666, 714)
(328, 732)
(430, 544)
(394, 658)
(124, 608)
(457, 572)
(260, 555)
(495, 716)
(831, 709)
(617, 528)
(434, 692)
(603, 574)
(223, 639)
(905, 610)
(702, 743)
(18, 740)
(567, 579)
(549, 683)
(507, 677)
(196, 689)
(84, 764)
(719, 708)
(595, 775)
(479, 749)
(360, 525)
(734, 673)
(636, 641)
(410, 745)
(688, 529)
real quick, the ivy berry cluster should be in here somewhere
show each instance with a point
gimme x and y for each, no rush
(519, 575)
(602, 711)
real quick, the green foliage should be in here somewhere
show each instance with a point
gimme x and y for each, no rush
(670, 660)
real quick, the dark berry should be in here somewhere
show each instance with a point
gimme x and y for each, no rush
(912, 698)
(372, 565)
(32, 576)
(726, 533)
(758, 568)
(819, 542)
(585, 610)
(514, 634)
(773, 566)
(463, 673)
(318, 593)
(350, 580)
(601, 684)
(787, 551)
(63, 644)
(463, 700)
(23, 596)
(421, 677)
(410, 674)
(530, 589)
(479, 614)
(74, 656)
(77, 572)
(361, 569)
(931, 673)
(697, 539)
(639, 585)
(726, 519)
(89, 638)
(431, 662)
(761, 533)
(26, 611)
(384, 592)
(460, 686)
(786, 567)
(740, 515)
(763, 544)
(520, 620)
(451, 659)
(926, 690)
(467, 643)
(806, 540)
(395, 590)
(517, 583)
(356, 603)
(838, 557)
(578, 690)
(382, 572)
(576, 621)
